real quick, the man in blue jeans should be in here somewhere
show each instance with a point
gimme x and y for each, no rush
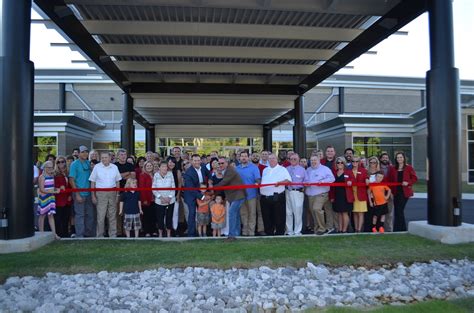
(235, 196)
(79, 174)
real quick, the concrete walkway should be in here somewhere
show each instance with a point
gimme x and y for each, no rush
(424, 195)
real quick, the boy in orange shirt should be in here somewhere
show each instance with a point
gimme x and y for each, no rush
(202, 211)
(218, 216)
(378, 196)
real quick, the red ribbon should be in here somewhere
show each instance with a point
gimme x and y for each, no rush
(230, 187)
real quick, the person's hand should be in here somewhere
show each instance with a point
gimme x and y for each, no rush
(349, 183)
(62, 188)
(120, 212)
(94, 199)
(79, 199)
(404, 183)
(141, 212)
(145, 203)
(332, 200)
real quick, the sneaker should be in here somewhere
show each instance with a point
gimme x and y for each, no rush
(320, 232)
(73, 235)
(374, 229)
(381, 230)
(331, 231)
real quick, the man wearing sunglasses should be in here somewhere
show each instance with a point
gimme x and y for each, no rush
(235, 196)
(84, 211)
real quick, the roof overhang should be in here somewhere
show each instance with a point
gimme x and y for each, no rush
(247, 47)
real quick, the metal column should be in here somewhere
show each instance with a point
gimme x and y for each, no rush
(299, 130)
(127, 133)
(62, 97)
(16, 121)
(150, 139)
(444, 132)
(267, 138)
(341, 100)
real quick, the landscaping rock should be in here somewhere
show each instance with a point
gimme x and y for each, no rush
(238, 290)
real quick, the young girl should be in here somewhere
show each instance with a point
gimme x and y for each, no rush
(218, 216)
(202, 211)
(46, 198)
(131, 205)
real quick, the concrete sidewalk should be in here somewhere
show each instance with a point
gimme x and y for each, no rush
(424, 195)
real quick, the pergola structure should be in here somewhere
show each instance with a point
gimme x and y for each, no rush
(246, 62)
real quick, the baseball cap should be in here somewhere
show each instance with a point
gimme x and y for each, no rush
(83, 148)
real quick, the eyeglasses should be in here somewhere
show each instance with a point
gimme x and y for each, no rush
(373, 162)
(339, 162)
(221, 163)
(60, 162)
(355, 161)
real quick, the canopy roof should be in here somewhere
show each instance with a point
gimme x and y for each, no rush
(245, 47)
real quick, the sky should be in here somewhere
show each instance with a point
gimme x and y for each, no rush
(398, 55)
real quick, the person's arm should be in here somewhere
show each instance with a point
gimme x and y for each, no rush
(228, 177)
(156, 193)
(328, 177)
(120, 207)
(140, 207)
(370, 195)
(79, 199)
(287, 178)
(388, 194)
(94, 197)
(413, 178)
(180, 183)
(41, 184)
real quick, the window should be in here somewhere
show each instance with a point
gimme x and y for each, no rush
(369, 146)
(470, 148)
(44, 145)
(205, 145)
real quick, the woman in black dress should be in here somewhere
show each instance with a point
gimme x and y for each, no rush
(342, 197)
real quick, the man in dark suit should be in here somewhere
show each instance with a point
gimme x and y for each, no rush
(235, 196)
(193, 178)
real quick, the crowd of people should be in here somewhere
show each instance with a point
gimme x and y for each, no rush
(288, 195)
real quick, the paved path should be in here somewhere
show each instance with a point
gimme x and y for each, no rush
(417, 209)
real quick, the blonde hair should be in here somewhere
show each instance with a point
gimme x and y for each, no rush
(56, 167)
(152, 165)
(130, 181)
(377, 168)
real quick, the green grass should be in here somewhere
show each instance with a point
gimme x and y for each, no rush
(434, 306)
(130, 255)
(421, 186)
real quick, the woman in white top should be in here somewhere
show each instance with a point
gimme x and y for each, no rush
(164, 199)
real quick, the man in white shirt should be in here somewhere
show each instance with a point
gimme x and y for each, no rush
(105, 175)
(273, 197)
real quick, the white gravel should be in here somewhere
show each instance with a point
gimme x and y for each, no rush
(238, 290)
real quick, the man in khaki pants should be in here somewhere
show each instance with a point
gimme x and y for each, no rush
(318, 195)
(105, 175)
(248, 211)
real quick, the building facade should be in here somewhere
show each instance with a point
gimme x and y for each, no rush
(369, 114)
